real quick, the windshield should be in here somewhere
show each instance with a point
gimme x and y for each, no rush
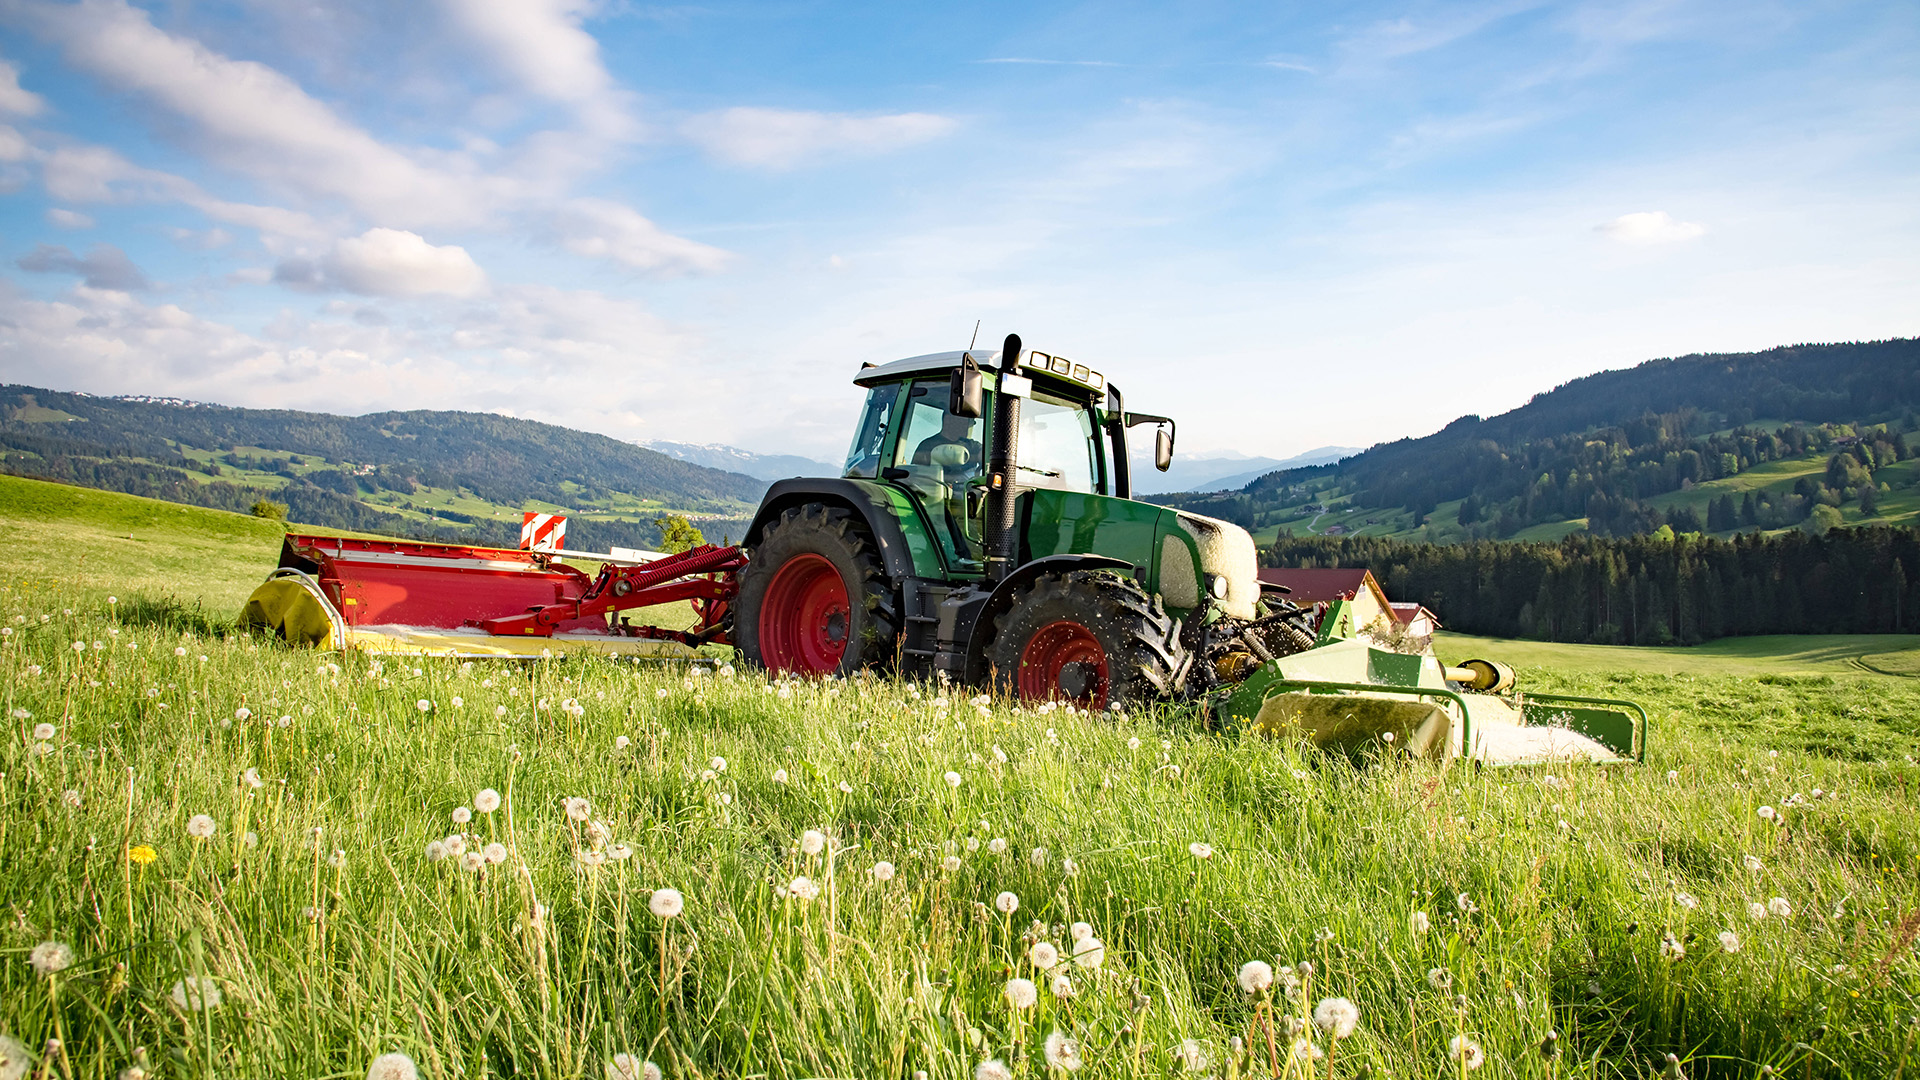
(1057, 448)
(863, 457)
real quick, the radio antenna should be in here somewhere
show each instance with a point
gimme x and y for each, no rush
(976, 335)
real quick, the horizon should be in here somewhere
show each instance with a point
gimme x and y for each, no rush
(692, 225)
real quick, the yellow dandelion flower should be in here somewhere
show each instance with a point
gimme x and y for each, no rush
(141, 854)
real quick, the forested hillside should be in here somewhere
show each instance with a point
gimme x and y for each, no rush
(1645, 590)
(1711, 443)
(451, 475)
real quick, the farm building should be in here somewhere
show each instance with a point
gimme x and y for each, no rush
(1315, 589)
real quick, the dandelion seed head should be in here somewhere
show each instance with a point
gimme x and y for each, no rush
(1670, 947)
(200, 826)
(803, 888)
(666, 903)
(51, 957)
(577, 809)
(619, 852)
(1199, 850)
(994, 1069)
(1779, 906)
(779, 776)
(338, 859)
(951, 864)
(1440, 979)
(394, 1066)
(1756, 911)
(1729, 941)
(44, 731)
(462, 815)
(1191, 1054)
(495, 853)
(1336, 1016)
(486, 800)
(882, 871)
(813, 842)
(473, 862)
(1467, 1052)
(952, 778)
(14, 1061)
(1256, 976)
(1006, 903)
(1767, 813)
(1060, 985)
(197, 992)
(1061, 1052)
(1753, 864)
(1021, 993)
(1043, 955)
(1686, 900)
(1419, 922)
(454, 845)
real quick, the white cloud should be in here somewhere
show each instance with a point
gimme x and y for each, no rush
(13, 97)
(540, 43)
(1649, 228)
(598, 229)
(13, 145)
(68, 219)
(95, 174)
(103, 267)
(784, 138)
(255, 120)
(390, 262)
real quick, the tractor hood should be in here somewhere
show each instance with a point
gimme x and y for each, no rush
(1226, 549)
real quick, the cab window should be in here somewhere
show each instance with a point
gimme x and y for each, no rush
(1057, 447)
(870, 434)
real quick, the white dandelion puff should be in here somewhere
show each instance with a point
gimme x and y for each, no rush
(1191, 1054)
(462, 815)
(1006, 903)
(1060, 985)
(952, 778)
(200, 826)
(1670, 947)
(1255, 976)
(1089, 952)
(1729, 941)
(1419, 922)
(1336, 1016)
(578, 809)
(1021, 993)
(1756, 911)
(592, 858)
(951, 864)
(1199, 850)
(813, 842)
(803, 888)
(436, 850)
(394, 1066)
(1043, 955)
(631, 1067)
(1767, 813)
(197, 992)
(1440, 979)
(1753, 864)
(1686, 900)
(1779, 906)
(1466, 1052)
(1465, 904)
(473, 862)
(1039, 856)
(666, 903)
(1080, 931)
(252, 778)
(994, 1069)
(779, 776)
(51, 957)
(338, 859)
(1061, 1052)
(882, 871)
(455, 845)
(619, 852)
(44, 731)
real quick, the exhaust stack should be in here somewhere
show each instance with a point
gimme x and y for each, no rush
(1002, 541)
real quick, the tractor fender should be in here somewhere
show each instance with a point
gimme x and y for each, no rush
(1002, 598)
(867, 501)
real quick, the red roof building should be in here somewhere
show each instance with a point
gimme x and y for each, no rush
(1311, 588)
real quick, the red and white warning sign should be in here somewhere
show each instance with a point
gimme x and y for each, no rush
(543, 532)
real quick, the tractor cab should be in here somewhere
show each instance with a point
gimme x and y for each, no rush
(919, 430)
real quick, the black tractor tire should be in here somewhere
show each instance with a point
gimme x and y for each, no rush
(1087, 637)
(814, 598)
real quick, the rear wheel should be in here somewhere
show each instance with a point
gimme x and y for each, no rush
(813, 597)
(1088, 638)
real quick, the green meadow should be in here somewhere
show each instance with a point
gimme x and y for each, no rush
(222, 857)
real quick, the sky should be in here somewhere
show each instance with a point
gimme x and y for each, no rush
(1286, 225)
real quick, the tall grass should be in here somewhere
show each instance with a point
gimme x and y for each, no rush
(330, 936)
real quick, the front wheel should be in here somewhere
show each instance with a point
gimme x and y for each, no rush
(813, 597)
(1088, 638)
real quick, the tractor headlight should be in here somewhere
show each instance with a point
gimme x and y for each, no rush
(1217, 585)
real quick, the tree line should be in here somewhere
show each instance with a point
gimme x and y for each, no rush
(1645, 590)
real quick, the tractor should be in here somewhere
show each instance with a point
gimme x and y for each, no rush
(983, 532)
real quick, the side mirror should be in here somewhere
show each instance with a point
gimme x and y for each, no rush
(1162, 449)
(964, 394)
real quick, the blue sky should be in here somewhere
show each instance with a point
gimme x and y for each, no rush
(1286, 225)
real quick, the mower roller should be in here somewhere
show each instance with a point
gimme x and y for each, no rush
(982, 530)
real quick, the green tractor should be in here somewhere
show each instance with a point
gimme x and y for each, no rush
(983, 530)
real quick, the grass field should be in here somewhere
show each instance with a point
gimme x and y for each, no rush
(283, 810)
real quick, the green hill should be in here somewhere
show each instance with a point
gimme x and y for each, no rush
(1803, 436)
(439, 474)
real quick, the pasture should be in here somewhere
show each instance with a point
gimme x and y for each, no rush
(269, 862)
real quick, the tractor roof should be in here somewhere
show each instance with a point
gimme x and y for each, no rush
(1035, 364)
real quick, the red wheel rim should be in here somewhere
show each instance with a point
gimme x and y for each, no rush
(1064, 660)
(804, 617)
